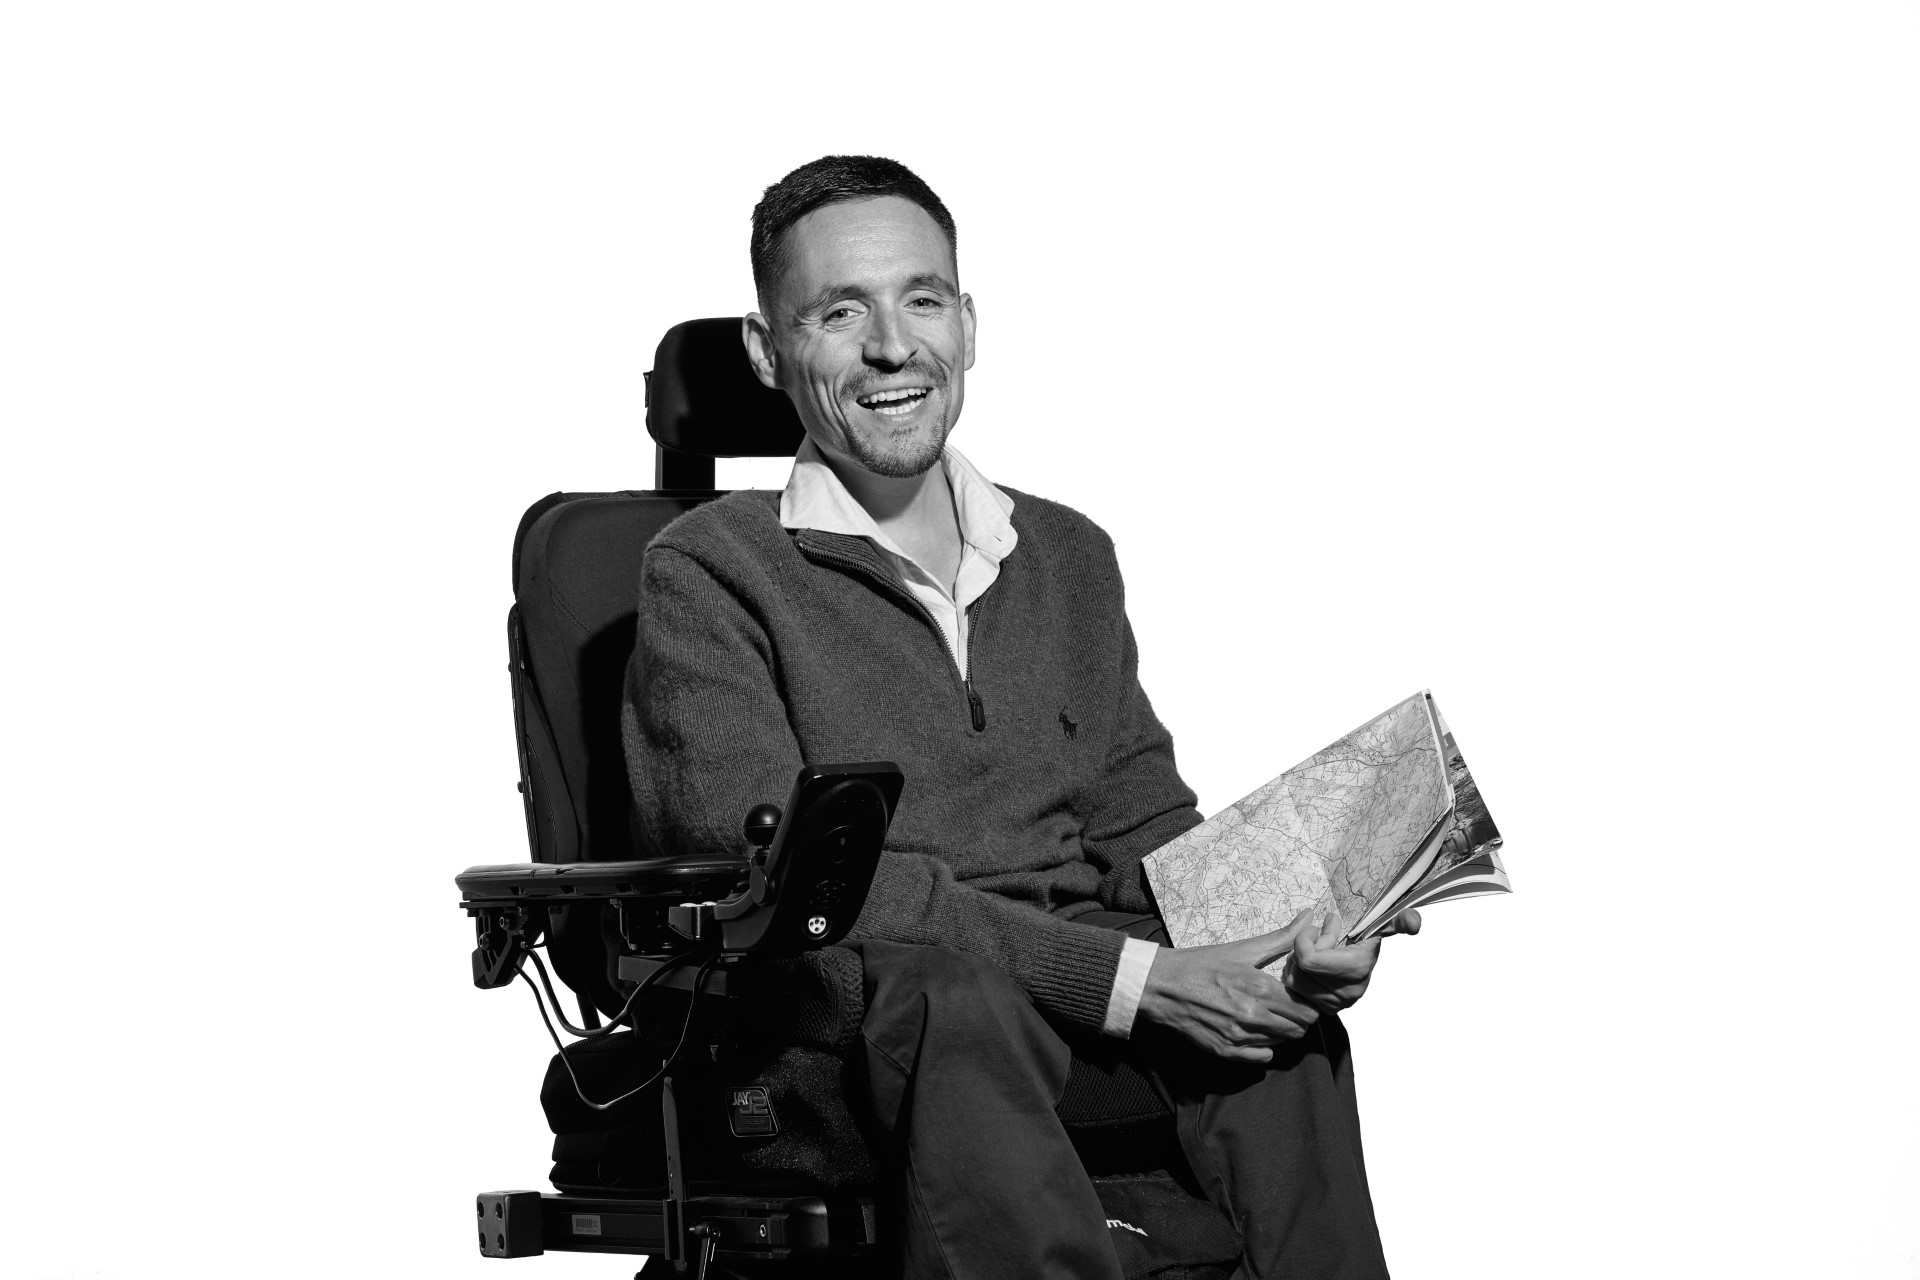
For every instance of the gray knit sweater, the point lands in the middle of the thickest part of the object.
(760, 647)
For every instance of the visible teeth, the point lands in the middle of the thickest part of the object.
(883, 397)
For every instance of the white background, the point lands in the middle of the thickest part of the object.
(1560, 357)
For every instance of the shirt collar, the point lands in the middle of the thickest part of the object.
(815, 499)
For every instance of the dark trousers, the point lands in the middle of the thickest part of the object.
(965, 1073)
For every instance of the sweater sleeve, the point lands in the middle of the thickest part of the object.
(708, 737)
(706, 734)
(1068, 969)
(1139, 802)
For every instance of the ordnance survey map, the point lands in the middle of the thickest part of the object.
(1386, 818)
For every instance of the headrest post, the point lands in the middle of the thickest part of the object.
(675, 470)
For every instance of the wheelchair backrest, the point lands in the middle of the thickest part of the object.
(576, 582)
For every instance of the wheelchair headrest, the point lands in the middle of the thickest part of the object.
(703, 398)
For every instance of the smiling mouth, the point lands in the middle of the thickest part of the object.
(894, 403)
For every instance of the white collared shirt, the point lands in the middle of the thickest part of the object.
(815, 499)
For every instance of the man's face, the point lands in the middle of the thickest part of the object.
(868, 332)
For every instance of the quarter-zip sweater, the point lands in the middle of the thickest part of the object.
(1033, 787)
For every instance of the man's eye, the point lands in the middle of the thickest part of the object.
(926, 304)
(838, 313)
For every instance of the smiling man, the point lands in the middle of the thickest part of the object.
(893, 603)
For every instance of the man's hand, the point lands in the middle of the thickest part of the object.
(1219, 998)
(1331, 977)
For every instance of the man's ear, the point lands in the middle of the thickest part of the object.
(968, 322)
(757, 336)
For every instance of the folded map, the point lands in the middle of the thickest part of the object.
(1385, 819)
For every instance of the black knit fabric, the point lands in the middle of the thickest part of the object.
(813, 999)
(819, 1142)
(758, 649)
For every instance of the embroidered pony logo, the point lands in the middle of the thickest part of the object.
(1067, 726)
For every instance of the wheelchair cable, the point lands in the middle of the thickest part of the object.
(598, 1033)
(693, 1005)
(595, 1033)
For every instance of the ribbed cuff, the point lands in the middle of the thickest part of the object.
(1073, 974)
(1129, 984)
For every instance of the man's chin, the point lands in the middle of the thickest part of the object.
(899, 459)
(898, 466)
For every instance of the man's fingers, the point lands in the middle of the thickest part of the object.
(1352, 961)
(1311, 942)
(1330, 977)
(1283, 1007)
(1271, 1024)
(1268, 947)
(1266, 1017)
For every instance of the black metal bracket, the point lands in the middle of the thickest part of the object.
(680, 977)
(693, 920)
(505, 933)
(690, 1245)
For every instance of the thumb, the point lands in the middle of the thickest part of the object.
(1309, 944)
(1407, 922)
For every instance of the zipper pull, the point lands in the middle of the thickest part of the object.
(978, 708)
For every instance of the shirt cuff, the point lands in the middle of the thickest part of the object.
(1129, 983)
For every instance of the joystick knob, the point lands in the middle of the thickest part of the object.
(762, 821)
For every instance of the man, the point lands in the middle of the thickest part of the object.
(894, 604)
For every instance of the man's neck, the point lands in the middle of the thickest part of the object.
(916, 512)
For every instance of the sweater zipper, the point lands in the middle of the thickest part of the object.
(976, 708)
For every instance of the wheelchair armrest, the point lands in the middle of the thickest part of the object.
(510, 902)
(677, 878)
(802, 891)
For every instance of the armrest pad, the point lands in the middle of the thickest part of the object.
(692, 876)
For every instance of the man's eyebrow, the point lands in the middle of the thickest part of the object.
(933, 280)
(821, 297)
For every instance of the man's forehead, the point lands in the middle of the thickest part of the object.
(875, 241)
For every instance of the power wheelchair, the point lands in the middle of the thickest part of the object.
(702, 1116)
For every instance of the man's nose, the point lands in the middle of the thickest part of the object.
(888, 343)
